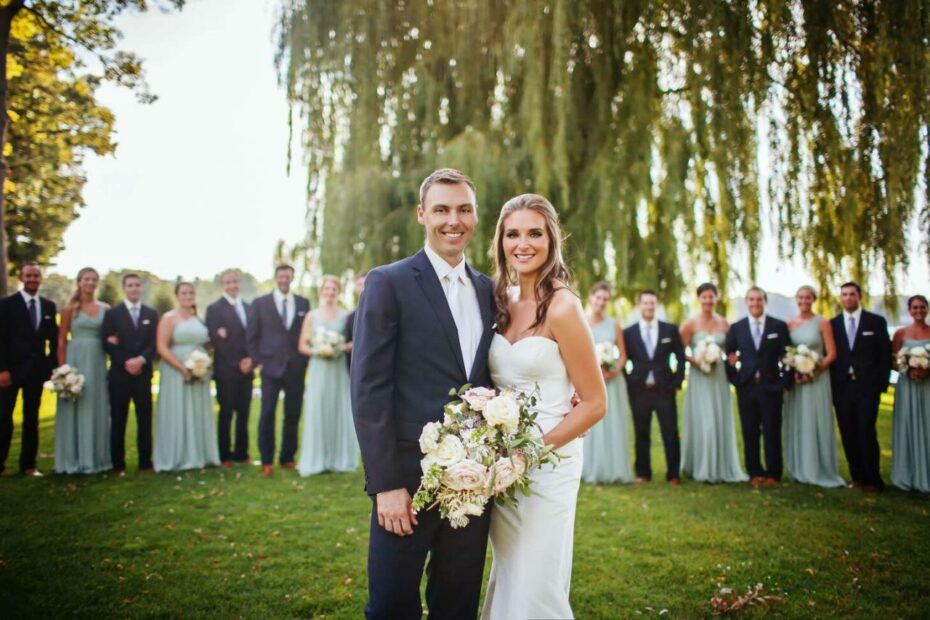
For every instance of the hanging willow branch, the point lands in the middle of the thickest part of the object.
(642, 121)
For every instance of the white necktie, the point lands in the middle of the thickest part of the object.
(134, 311)
(460, 316)
(757, 337)
(650, 341)
(240, 311)
(851, 332)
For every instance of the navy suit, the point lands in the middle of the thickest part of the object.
(760, 382)
(233, 387)
(29, 354)
(660, 397)
(349, 335)
(406, 358)
(132, 341)
(273, 346)
(858, 378)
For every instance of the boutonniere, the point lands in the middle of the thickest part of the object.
(868, 333)
(772, 336)
(665, 340)
(146, 321)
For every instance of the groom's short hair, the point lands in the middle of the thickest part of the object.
(448, 176)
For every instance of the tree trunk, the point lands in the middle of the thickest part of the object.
(7, 14)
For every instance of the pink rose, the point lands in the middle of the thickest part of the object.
(478, 397)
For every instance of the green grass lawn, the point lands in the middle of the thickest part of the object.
(228, 543)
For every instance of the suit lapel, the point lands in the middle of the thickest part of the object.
(638, 341)
(428, 281)
(483, 291)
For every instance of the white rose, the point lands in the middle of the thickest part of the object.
(503, 411)
(429, 438)
(803, 349)
(426, 462)
(449, 451)
(466, 475)
(919, 352)
(805, 365)
(505, 474)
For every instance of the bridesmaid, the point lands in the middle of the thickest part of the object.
(910, 461)
(82, 427)
(808, 431)
(709, 452)
(185, 435)
(607, 444)
(328, 442)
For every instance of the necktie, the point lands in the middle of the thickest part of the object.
(460, 316)
(650, 342)
(33, 317)
(851, 332)
(134, 311)
(757, 336)
(240, 311)
(284, 312)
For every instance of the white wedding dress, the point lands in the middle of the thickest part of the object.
(532, 542)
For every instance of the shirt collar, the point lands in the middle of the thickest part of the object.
(27, 296)
(233, 301)
(278, 295)
(130, 305)
(442, 268)
(856, 315)
(643, 324)
(753, 320)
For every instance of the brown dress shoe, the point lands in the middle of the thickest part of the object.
(675, 482)
(267, 471)
(755, 481)
(770, 482)
(868, 488)
(227, 464)
(32, 472)
(641, 480)
(289, 465)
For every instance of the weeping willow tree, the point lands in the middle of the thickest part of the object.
(665, 133)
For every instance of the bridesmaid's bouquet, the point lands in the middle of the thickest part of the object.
(803, 360)
(326, 343)
(706, 352)
(199, 364)
(608, 356)
(67, 382)
(913, 358)
(483, 449)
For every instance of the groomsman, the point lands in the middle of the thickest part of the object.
(233, 373)
(858, 377)
(651, 384)
(350, 320)
(28, 354)
(755, 349)
(128, 333)
(273, 333)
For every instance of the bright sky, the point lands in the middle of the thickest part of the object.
(199, 182)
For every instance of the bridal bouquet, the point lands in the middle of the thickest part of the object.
(913, 358)
(326, 343)
(707, 353)
(608, 356)
(67, 382)
(199, 364)
(483, 449)
(802, 360)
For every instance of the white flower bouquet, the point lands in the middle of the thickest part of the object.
(484, 448)
(802, 360)
(67, 382)
(326, 343)
(706, 352)
(199, 364)
(608, 356)
(913, 358)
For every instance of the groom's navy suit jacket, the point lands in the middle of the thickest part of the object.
(766, 360)
(270, 343)
(405, 358)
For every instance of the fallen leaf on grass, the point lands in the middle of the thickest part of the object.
(169, 526)
(810, 571)
(71, 487)
(724, 603)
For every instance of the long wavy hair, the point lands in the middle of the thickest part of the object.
(552, 276)
(74, 302)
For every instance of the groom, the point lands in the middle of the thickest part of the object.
(423, 326)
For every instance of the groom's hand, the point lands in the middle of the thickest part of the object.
(395, 513)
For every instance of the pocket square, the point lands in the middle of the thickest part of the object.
(772, 336)
(301, 313)
(868, 333)
(665, 340)
(145, 321)
(48, 318)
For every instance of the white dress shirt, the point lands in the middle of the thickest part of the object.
(27, 297)
(857, 317)
(652, 325)
(754, 324)
(236, 303)
(468, 319)
(279, 298)
(138, 309)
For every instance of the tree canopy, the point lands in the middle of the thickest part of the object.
(659, 130)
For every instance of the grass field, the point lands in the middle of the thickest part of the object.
(228, 543)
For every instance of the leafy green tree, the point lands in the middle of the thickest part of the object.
(49, 116)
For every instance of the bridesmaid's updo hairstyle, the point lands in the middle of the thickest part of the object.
(331, 278)
(914, 298)
(177, 289)
(708, 286)
(553, 275)
(809, 289)
(600, 286)
(74, 302)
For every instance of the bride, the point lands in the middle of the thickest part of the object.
(543, 341)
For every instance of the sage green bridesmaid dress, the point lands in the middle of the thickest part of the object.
(328, 442)
(808, 433)
(607, 444)
(185, 433)
(910, 434)
(82, 427)
(709, 452)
